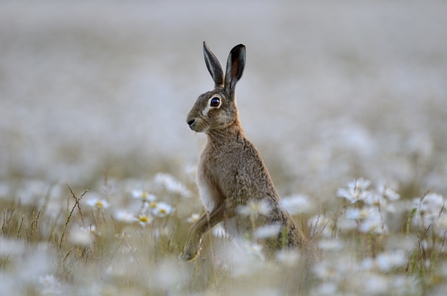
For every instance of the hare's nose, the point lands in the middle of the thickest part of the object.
(191, 122)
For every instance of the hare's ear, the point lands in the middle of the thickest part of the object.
(235, 68)
(213, 65)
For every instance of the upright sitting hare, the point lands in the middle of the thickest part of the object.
(231, 173)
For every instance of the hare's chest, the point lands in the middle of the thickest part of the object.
(211, 175)
(205, 190)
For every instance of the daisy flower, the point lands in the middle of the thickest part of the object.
(267, 231)
(392, 260)
(355, 191)
(287, 257)
(193, 218)
(144, 196)
(254, 250)
(49, 285)
(255, 208)
(296, 204)
(330, 244)
(123, 216)
(387, 192)
(144, 220)
(162, 209)
(373, 223)
(98, 203)
(81, 237)
(321, 224)
(428, 209)
(171, 184)
(357, 214)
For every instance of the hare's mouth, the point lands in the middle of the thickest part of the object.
(195, 125)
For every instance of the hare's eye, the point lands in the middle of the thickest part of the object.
(215, 102)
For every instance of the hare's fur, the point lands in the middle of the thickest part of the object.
(231, 172)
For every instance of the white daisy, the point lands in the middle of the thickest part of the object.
(171, 184)
(193, 218)
(98, 203)
(144, 196)
(162, 209)
(296, 204)
(355, 191)
(123, 216)
(144, 220)
(267, 231)
(255, 208)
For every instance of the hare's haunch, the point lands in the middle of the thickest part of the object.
(233, 181)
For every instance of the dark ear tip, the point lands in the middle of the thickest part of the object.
(239, 50)
(239, 47)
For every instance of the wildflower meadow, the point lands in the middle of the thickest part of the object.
(345, 101)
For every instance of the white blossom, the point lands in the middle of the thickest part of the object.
(355, 191)
(255, 208)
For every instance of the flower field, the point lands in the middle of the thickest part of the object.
(346, 102)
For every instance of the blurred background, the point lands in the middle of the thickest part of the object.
(331, 90)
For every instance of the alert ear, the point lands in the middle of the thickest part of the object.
(235, 68)
(213, 65)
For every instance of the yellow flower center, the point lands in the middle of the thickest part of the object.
(143, 219)
(363, 213)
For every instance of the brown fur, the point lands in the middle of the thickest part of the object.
(231, 172)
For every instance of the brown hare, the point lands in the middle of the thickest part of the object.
(231, 175)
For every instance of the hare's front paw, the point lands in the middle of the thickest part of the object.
(191, 251)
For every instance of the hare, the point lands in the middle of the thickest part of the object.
(231, 174)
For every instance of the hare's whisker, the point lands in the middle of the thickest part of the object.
(215, 137)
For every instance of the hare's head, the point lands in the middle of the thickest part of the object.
(216, 109)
